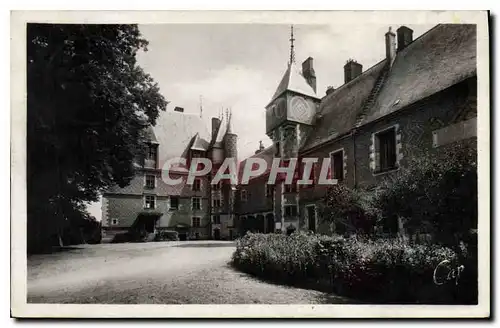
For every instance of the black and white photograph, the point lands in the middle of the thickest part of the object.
(307, 159)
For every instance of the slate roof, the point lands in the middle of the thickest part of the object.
(293, 80)
(199, 143)
(440, 58)
(338, 110)
(175, 132)
(267, 154)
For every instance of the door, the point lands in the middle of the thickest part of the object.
(217, 234)
(311, 218)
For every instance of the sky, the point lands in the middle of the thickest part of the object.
(240, 66)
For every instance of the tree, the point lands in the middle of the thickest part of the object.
(350, 209)
(436, 193)
(89, 104)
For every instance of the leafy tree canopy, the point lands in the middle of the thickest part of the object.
(88, 106)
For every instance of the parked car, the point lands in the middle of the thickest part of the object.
(166, 235)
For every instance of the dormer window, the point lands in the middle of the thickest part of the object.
(196, 185)
(151, 156)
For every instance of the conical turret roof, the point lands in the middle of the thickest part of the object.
(294, 81)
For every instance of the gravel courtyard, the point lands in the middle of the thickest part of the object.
(161, 273)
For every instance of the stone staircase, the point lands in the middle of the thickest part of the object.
(368, 103)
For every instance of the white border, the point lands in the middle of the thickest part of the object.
(19, 307)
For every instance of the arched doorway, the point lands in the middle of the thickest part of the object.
(260, 224)
(250, 226)
(270, 223)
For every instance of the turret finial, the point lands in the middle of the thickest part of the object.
(292, 51)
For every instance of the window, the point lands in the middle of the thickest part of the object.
(114, 221)
(216, 203)
(216, 186)
(174, 202)
(216, 219)
(196, 222)
(151, 156)
(290, 188)
(338, 165)
(197, 185)
(269, 190)
(151, 153)
(385, 143)
(196, 203)
(149, 202)
(243, 195)
(290, 210)
(150, 181)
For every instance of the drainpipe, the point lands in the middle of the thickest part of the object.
(353, 134)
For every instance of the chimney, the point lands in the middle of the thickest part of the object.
(390, 46)
(329, 90)
(352, 69)
(179, 109)
(308, 72)
(405, 37)
(261, 147)
(215, 126)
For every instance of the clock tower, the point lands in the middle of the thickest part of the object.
(289, 115)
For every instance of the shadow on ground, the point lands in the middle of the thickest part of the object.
(205, 245)
(326, 298)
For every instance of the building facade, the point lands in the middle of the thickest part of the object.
(197, 210)
(421, 96)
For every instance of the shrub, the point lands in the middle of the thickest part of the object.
(350, 209)
(383, 271)
(435, 193)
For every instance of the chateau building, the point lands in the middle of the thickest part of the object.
(195, 210)
(421, 96)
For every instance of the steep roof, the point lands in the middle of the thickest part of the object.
(175, 132)
(338, 110)
(293, 80)
(199, 143)
(442, 57)
(267, 154)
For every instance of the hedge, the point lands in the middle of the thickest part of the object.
(380, 271)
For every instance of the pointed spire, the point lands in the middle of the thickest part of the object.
(201, 106)
(292, 50)
(229, 114)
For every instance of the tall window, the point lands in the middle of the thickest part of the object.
(196, 202)
(338, 165)
(386, 144)
(150, 181)
(174, 202)
(290, 210)
(216, 186)
(216, 219)
(196, 222)
(216, 203)
(269, 190)
(197, 185)
(151, 156)
(290, 187)
(243, 195)
(149, 201)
